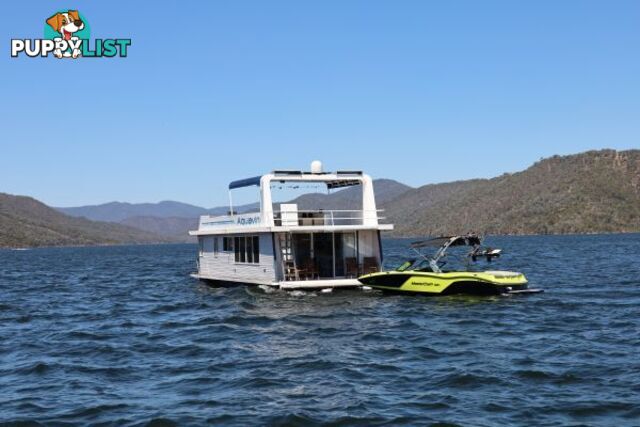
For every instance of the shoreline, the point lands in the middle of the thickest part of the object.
(101, 245)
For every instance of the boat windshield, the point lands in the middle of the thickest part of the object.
(405, 265)
(423, 265)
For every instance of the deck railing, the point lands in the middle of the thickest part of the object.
(296, 218)
(324, 217)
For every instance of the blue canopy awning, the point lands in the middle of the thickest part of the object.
(247, 182)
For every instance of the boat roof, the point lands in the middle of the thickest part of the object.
(462, 240)
(333, 180)
(247, 182)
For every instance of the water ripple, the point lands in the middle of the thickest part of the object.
(122, 336)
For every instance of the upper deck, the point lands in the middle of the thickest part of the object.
(288, 217)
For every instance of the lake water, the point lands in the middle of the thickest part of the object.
(123, 336)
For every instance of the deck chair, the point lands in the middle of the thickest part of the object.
(351, 267)
(370, 265)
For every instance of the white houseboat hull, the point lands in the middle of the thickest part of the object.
(290, 248)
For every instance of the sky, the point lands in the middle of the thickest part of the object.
(211, 91)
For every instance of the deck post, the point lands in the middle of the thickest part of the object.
(369, 213)
(230, 205)
(265, 200)
(333, 251)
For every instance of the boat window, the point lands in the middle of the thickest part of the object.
(256, 249)
(227, 244)
(302, 248)
(215, 246)
(338, 254)
(241, 249)
(247, 249)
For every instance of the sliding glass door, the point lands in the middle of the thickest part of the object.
(326, 255)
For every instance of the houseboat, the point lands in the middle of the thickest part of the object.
(285, 246)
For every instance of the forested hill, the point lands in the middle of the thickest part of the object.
(591, 192)
(26, 222)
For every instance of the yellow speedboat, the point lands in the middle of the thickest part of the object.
(425, 276)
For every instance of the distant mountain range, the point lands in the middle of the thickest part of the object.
(385, 189)
(592, 192)
(27, 222)
(119, 211)
(173, 220)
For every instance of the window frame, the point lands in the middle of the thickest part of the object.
(246, 249)
(256, 249)
(227, 244)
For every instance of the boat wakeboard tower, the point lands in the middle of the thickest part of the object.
(444, 243)
(427, 274)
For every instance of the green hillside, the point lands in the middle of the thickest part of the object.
(26, 222)
(592, 192)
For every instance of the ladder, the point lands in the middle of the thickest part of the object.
(289, 267)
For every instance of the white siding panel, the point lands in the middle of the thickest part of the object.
(222, 266)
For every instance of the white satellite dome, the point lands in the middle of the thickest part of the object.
(316, 166)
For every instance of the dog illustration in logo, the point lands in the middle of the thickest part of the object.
(66, 23)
